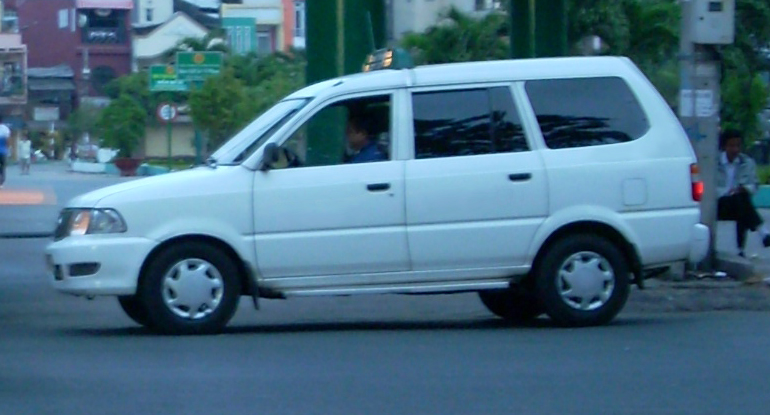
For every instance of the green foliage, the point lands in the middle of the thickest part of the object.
(137, 86)
(122, 124)
(763, 174)
(218, 107)
(460, 38)
(83, 120)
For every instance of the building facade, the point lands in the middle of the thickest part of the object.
(90, 36)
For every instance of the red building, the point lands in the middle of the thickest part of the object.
(90, 36)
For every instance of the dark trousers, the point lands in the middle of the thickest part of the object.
(2, 169)
(739, 208)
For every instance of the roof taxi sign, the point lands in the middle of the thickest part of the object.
(388, 59)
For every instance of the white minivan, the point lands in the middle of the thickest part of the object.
(548, 186)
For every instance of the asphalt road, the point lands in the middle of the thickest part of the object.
(361, 355)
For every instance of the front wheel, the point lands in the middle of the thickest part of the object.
(134, 309)
(191, 288)
(583, 280)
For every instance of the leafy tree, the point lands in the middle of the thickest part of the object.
(83, 120)
(122, 124)
(460, 38)
(214, 41)
(218, 107)
(137, 86)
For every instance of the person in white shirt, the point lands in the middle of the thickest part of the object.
(25, 153)
(736, 182)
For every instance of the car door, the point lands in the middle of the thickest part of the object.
(475, 192)
(326, 217)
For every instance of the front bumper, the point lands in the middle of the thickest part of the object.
(699, 243)
(97, 264)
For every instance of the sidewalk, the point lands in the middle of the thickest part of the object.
(686, 293)
(51, 170)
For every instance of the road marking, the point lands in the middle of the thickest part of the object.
(26, 197)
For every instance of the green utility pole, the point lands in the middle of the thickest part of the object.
(339, 37)
(538, 28)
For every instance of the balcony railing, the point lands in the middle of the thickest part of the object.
(107, 36)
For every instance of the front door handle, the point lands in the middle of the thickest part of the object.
(519, 177)
(378, 187)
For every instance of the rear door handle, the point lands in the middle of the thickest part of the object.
(519, 177)
(378, 187)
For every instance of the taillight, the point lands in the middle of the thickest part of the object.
(697, 183)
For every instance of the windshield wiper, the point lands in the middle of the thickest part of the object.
(211, 162)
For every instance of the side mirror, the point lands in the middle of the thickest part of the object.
(271, 154)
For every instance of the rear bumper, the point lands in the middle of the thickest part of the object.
(699, 243)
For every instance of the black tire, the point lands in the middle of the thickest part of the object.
(517, 308)
(215, 282)
(598, 258)
(134, 309)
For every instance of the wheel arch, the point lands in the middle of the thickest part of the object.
(593, 227)
(245, 276)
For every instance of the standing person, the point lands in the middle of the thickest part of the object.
(736, 182)
(25, 153)
(5, 136)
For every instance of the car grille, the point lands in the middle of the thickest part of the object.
(63, 224)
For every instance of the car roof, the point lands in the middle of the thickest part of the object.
(470, 72)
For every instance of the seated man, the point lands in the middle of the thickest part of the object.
(364, 146)
(736, 181)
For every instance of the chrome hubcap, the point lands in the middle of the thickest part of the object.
(586, 281)
(193, 288)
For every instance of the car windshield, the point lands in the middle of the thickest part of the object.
(244, 143)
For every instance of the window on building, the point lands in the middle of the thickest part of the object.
(64, 18)
(148, 14)
(466, 122)
(10, 21)
(100, 77)
(103, 26)
(264, 43)
(582, 112)
(299, 18)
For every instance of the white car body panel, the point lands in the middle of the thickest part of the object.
(443, 224)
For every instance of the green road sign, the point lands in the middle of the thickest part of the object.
(197, 66)
(163, 78)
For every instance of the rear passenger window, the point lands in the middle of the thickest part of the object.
(466, 122)
(586, 112)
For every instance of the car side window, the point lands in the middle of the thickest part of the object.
(328, 139)
(584, 112)
(466, 122)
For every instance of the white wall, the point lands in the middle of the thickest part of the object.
(161, 10)
(166, 37)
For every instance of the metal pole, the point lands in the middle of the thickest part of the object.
(699, 98)
(551, 28)
(522, 14)
(168, 136)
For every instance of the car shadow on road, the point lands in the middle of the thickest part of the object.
(375, 326)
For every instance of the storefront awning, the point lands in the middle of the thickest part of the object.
(105, 4)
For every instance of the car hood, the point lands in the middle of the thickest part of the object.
(199, 180)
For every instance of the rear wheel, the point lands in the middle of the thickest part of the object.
(512, 306)
(583, 280)
(191, 288)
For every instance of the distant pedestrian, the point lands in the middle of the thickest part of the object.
(5, 136)
(25, 153)
(736, 182)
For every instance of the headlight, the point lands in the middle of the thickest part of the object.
(95, 221)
